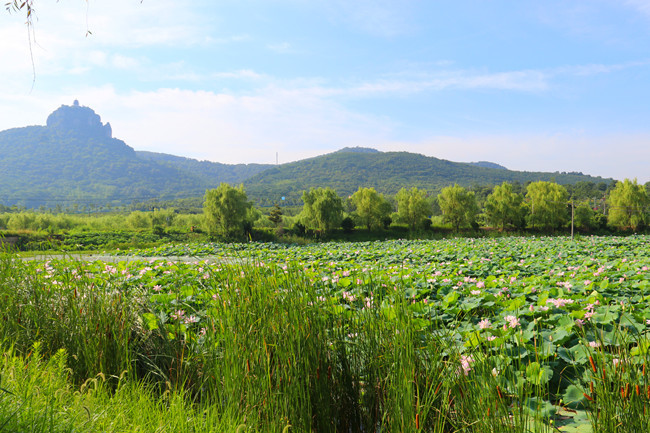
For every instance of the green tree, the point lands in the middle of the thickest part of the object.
(138, 220)
(584, 217)
(548, 204)
(275, 215)
(371, 207)
(627, 202)
(412, 207)
(226, 211)
(322, 209)
(504, 207)
(163, 217)
(458, 206)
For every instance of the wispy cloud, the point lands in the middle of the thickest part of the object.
(242, 74)
(228, 39)
(642, 6)
(531, 80)
(281, 48)
(596, 69)
(386, 18)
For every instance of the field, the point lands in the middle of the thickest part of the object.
(468, 335)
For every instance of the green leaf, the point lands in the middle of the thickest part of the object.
(451, 298)
(345, 282)
(574, 398)
(539, 408)
(538, 374)
(150, 321)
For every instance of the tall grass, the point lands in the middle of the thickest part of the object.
(616, 386)
(263, 348)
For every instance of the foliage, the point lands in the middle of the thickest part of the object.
(275, 215)
(458, 206)
(371, 207)
(504, 208)
(412, 207)
(548, 205)
(138, 220)
(388, 172)
(322, 210)
(347, 225)
(481, 335)
(628, 203)
(226, 211)
(588, 219)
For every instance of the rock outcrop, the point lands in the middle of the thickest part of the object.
(78, 120)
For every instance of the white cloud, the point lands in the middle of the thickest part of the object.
(228, 40)
(220, 127)
(124, 62)
(386, 18)
(242, 74)
(522, 81)
(281, 48)
(135, 24)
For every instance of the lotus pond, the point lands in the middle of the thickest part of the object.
(509, 334)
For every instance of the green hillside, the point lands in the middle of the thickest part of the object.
(208, 171)
(387, 172)
(74, 160)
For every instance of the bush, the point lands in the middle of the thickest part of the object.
(347, 224)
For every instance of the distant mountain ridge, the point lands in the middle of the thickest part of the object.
(206, 170)
(387, 172)
(488, 164)
(74, 159)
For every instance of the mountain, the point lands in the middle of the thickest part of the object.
(357, 150)
(387, 172)
(488, 164)
(75, 159)
(206, 170)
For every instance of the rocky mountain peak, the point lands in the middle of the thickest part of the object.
(78, 119)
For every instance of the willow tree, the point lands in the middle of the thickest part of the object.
(627, 205)
(322, 209)
(548, 204)
(226, 210)
(458, 206)
(371, 207)
(504, 207)
(412, 207)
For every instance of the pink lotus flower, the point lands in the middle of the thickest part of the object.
(513, 322)
(484, 324)
(465, 362)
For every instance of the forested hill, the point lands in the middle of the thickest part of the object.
(206, 170)
(74, 160)
(348, 169)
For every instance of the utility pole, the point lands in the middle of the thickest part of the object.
(532, 213)
(572, 213)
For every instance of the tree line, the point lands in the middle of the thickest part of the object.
(543, 205)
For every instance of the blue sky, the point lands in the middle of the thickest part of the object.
(532, 85)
